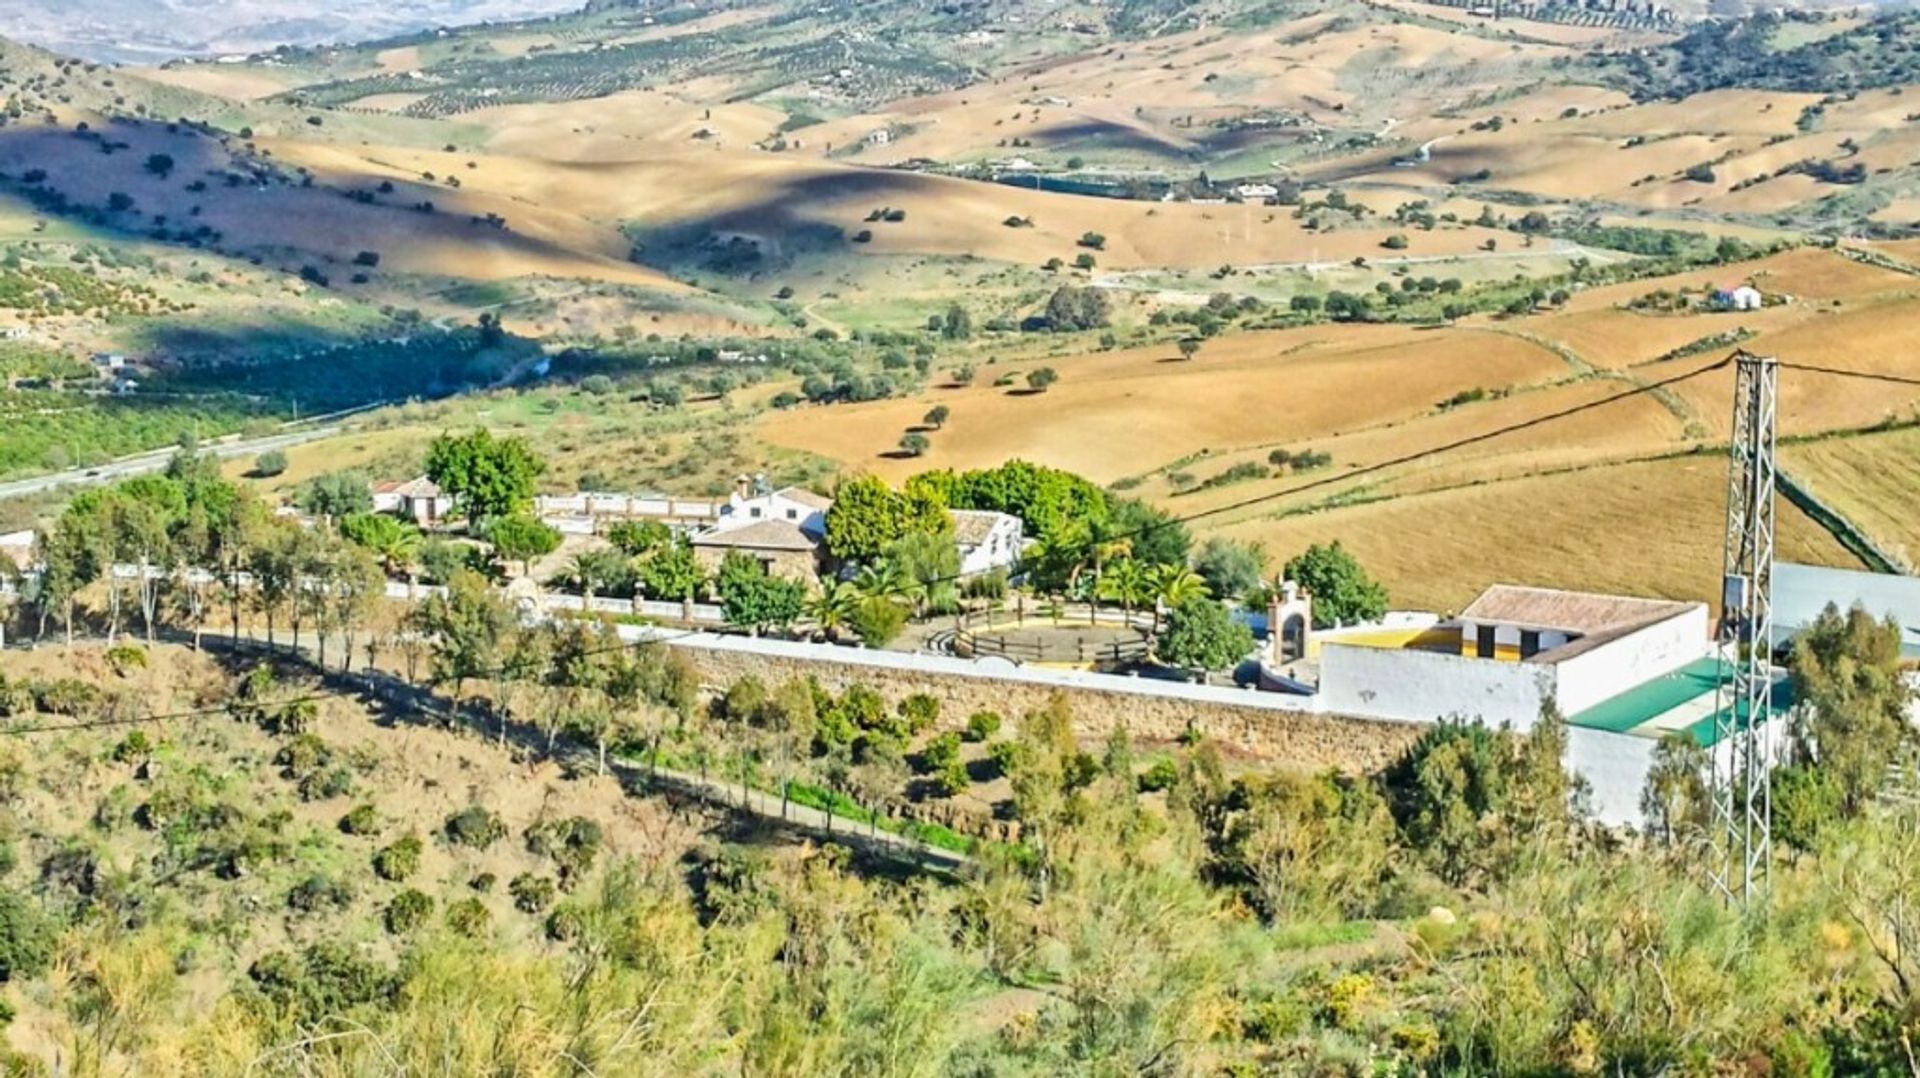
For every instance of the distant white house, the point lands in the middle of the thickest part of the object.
(1256, 191)
(419, 500)
(1741, 298)
(987, 540)
(797, 506)
(879, 137)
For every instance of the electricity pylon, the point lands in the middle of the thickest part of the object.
(1742, 752)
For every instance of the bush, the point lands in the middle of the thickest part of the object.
(408, 911)
(1006, 756)
(132, 747)
(1161, 776)
(399, 860)
(876, 621)
(126, 658)
(325, 784)
(316, 893)
(269, 464)
(469, 917)
(27, 937)
(982, 725)
(360, 820)
(531, 893)
(940, 753)
(920, 711)
(573, 844)
(474, 827)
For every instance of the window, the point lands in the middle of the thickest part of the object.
(754, 512)
(793, 514)
(1529, 643)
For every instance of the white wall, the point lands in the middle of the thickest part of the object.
(1615, 767)
(1001, 548)
(1619, 665)
(1424, 686)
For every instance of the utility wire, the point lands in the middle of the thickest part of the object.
(1158, 525)
(1872, 376)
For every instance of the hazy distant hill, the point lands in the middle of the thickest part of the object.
(153, 30)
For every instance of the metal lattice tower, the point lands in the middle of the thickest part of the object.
(1742, 753)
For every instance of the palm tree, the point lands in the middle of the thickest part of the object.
(398, 550)
(834, 607)
(883, 580)
(1173, 585)
(585, 571)
(1128, 583)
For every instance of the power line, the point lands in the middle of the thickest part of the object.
(1871, 376)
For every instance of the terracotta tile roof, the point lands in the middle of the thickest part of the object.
(760, 535)
(972, 526)
(1594, 619)
(411, 488)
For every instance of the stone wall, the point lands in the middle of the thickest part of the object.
(1291, 738)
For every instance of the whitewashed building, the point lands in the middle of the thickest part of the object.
(987, 540)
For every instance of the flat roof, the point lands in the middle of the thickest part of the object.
(1684, 700)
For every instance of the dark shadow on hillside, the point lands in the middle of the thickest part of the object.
(197, 188)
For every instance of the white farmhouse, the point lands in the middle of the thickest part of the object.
(1256, 192)
(987, 540)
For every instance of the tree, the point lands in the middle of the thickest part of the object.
(1846, 670)
(1202, 635)
(929, 564)
(1153, 536)
(521, 538)
(1189, 347)
(673, 573)
(160, 164)
(1342, 591)
(1232, 569)
(1093, 240)
(395, 542)
(270, 463)
(957, 325)
(914, 444)
(834, 607)
(1395, 242)
(467, 626)
(1040, 380)
(485, 476)
(637, 538)
(867, 515)
(937, 416)
(1675, 801)
(1074, 308)
(754, 599)
(336, 495)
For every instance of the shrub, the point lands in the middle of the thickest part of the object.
(1006, 756)
(920, 711)
(399, 860)
(474, 827)
(982, 725)
(952, 779)
(132, 747)
(1094, 240)
(360, 820)
(469, 917)
(573, 844)
(316, 893)
(1160, 776)
(269, 464)
(408, 911)
(564, 923)
(325, 784)
(483, 882)
(126, 658)
(27, 937)
(531, 893)
(942, 752)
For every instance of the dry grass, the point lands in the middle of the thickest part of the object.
(1871, 479)
(1635, 529)
(1122, 413)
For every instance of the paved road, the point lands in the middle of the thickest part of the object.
(157, 459)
